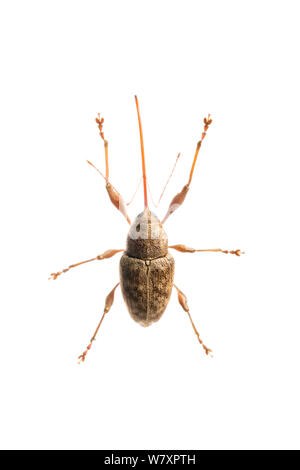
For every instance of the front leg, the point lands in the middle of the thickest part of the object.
(105, 255)
(180, 197)
(114, 195)
(186, 249)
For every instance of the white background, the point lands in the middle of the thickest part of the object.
(61, 63)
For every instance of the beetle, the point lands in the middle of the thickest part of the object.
(146, 266)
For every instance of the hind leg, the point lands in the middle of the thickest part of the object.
(183, 302)
(108, 303)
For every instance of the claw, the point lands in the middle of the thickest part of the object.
(208, 351)
(100, 122)
(82, 356)
(54, 276)
(233, 252)
(237, 252)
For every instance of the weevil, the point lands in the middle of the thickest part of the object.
(146, 267)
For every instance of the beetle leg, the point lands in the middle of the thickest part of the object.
(186, 249)
(183, 302)
(180, 197)
(113, 194)
(108, 303)
(105, 255)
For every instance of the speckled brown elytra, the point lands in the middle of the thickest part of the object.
(146, 267)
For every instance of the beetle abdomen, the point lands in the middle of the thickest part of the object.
(146, 286)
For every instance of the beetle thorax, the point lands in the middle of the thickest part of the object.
(146, 238)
